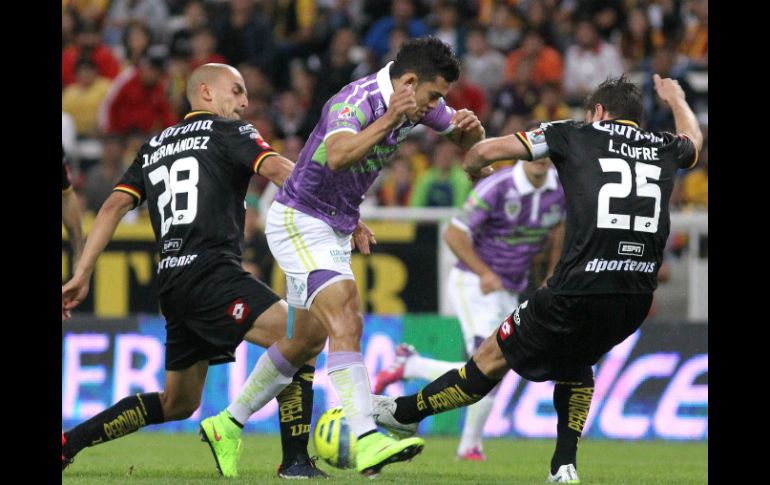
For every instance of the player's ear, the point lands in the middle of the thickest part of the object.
(204, 92)
(409, 78)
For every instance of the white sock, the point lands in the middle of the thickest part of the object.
(417, 367)
(350, 379)
(475, 418)
(271, 374)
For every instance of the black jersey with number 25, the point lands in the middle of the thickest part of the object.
(194, 176)
(618, 180)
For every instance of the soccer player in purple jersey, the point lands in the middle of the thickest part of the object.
(506, 221)
(618, 180)
(310, 223)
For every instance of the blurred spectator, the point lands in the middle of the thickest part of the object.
(178, 71)
(588, 63)
(402, 16)
(203, 48)
(547, 64)
(664, 62)
(289, 114)
(518, 97)
(83, 98)
(396, 37)
(695, 43)
(338, 63)
(195, 17)
(695, 186)
(445, 184)
(465, 94)
(102, 177)
(70, 25)
(138, 101)
(245, 34)
(483, 66)
(345, 13)
(607, 16)
(258, 86)
(293, 21)
(154, 13)
(137, 39)
(411, 150)
(551, 106)
(638, 40)
(396, 183)
(504, 29)
(448, 28)
(89, 10)
(88, 45)
(665, 18)
(536, 17)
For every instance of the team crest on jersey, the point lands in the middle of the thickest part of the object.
(238, 311)
(345, 113)
(512, 204)
(537, 136)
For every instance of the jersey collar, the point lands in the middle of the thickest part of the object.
(627, 122)
(384, 83)
(525, 187)
(198, 113)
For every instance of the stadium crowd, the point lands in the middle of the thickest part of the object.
(125, 63)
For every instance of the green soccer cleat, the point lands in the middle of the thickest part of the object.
(224, 438)
(377, 450)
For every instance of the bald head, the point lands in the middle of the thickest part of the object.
(218, 88)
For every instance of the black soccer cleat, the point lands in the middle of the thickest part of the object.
(303, 467)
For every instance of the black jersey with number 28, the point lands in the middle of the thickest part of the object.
(618, 180)
(194, 176)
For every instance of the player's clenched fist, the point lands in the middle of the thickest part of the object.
(402, 102)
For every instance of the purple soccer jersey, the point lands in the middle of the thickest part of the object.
(509, 221)
(335, 197)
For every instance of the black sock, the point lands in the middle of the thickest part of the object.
(124, 417)
(457, 388)
(295, 409)
(572, 401)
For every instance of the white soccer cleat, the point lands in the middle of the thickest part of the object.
(383, 408)
(565, 474)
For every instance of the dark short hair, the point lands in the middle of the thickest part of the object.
(619, 96)
(427, 57)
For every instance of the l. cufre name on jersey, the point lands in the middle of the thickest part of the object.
(631, 133)
(191, 143)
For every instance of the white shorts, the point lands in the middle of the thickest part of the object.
(302, 245)
(479, 314)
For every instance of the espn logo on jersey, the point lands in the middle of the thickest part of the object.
(238, 311)
(630, 249)
(172, 245)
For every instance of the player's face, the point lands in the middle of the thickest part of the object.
(230, 96)
(537, 168)
(427, 95)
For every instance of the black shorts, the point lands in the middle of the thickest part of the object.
(556, 337)
(208, 320)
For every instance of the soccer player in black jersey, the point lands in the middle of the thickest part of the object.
(70, 211)
(618, 180)
(194, 176)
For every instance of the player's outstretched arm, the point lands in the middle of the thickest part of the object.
(70, 216)
(686, 123)
(276, 168)
(492, 149)
(107, 220)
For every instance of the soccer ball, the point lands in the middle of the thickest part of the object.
(334, 440)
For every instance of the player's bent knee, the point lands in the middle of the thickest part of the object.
(175, 409)
(490, 360)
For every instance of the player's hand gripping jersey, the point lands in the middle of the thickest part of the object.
(616, 230)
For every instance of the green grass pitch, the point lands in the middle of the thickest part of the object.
(176, 459)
